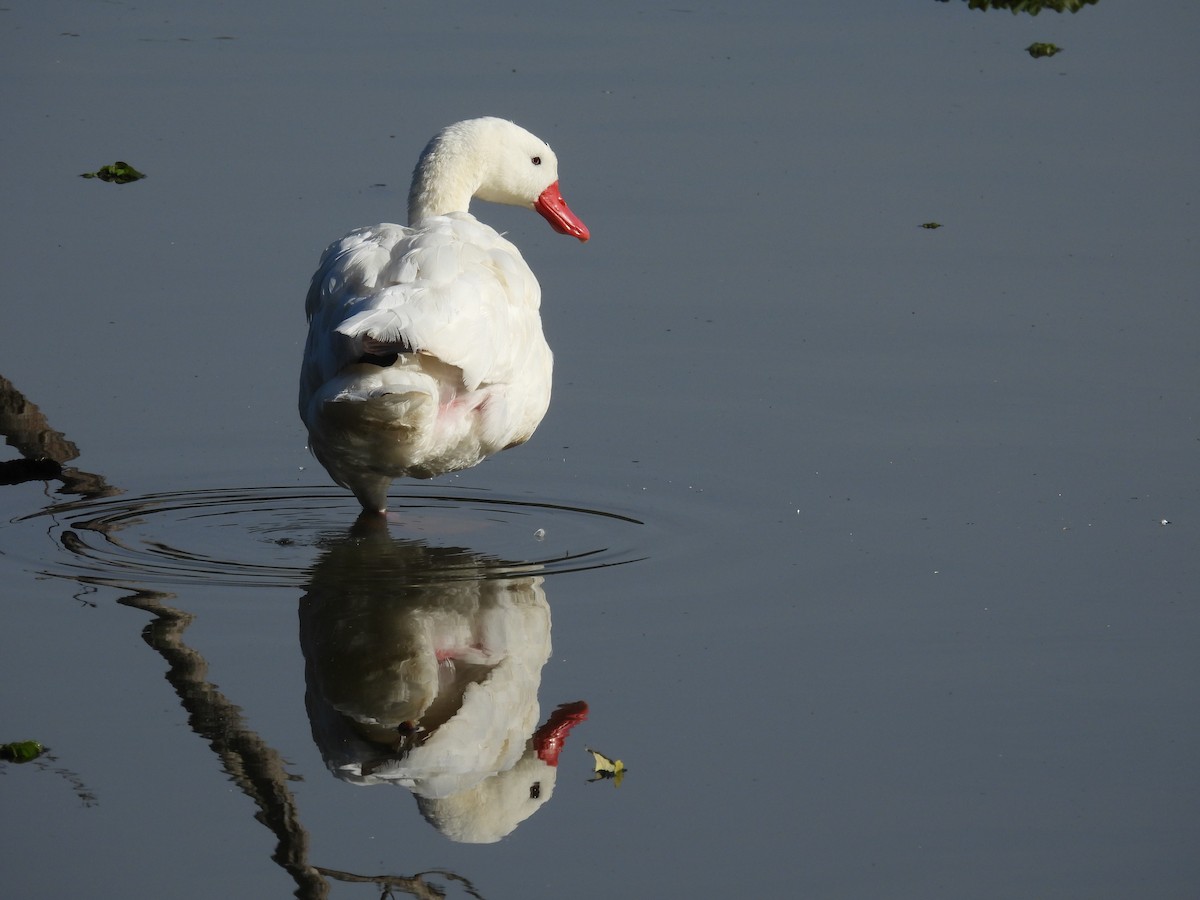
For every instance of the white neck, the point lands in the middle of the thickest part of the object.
(447, 176)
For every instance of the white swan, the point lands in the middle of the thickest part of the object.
(425, 351)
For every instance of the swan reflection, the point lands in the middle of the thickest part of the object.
(423, 665)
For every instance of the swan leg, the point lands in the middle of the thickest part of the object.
(371, 491)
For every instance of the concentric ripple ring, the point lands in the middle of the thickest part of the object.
(274, 536)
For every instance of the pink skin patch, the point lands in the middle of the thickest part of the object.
(446, 655)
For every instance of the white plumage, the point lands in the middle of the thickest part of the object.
(425, 350)
(423, 666)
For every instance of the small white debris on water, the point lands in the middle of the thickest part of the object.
(539, 534)
(1165, 522)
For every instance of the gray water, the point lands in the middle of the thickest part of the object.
(871, 548)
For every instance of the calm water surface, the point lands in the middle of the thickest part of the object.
(871, 549)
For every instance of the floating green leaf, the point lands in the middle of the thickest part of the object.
(931, 225)
(118, 173)
(1032, 7)
(1038, 50)
(21, 751)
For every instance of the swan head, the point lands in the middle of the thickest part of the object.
(494, 160)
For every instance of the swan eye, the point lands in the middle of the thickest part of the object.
(537, 160)
(535, 790)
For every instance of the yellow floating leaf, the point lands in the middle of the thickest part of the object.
(607, 768)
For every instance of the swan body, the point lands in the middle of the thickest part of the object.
(425, 351)
(423, 666)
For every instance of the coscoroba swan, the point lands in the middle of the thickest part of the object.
(425, 351)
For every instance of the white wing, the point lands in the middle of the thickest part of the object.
(453, 289)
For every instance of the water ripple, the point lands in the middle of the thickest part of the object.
(272, 536)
